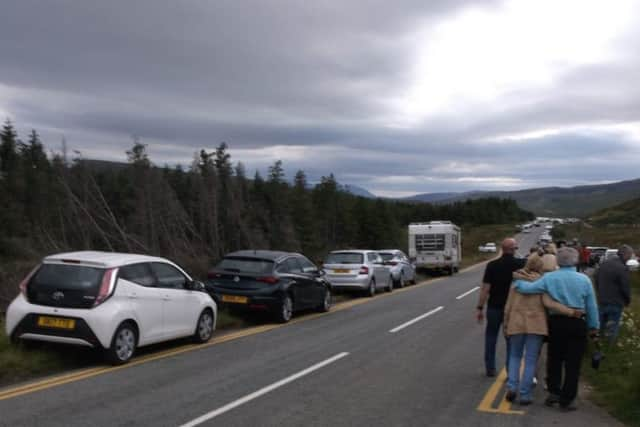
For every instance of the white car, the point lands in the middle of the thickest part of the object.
(402, 270)
(361, 270)
(110, 301)
(488, 247)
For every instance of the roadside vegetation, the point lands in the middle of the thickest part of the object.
(472, 237)
(616, 384)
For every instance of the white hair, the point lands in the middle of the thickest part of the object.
(567, 257)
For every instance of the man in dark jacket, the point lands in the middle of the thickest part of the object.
(495, 288)
(614, 291)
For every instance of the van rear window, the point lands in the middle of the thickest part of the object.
(345, 258)
(69, 277)
(430, 242)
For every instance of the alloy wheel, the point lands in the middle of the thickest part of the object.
(125, 343)
(205, 326)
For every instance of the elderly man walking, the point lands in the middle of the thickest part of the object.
(567, 335)
(614, 291)
(495, 288)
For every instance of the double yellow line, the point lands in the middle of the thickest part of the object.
(504, 407)
(92, 372)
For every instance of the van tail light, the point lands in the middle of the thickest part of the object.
(106, 287)
(25, 282)
(364, 270)
(270, 280)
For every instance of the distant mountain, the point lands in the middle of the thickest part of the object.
(580, 201)
(357, 191)
(441, 197)
(623, 214)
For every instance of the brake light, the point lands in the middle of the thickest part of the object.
(364, 270)
(270, 280)
(106, 287)
(25, 282)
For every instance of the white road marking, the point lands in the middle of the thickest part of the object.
(417, 319)
(228, 407)
(459, 297)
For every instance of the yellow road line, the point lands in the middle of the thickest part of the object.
(492, 394)
(92, 372)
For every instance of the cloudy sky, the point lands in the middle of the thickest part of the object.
(399, 97)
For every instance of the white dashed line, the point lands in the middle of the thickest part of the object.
(417, 319)
(228, 407)
(459, 297)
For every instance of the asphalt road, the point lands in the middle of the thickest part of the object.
(410, 358)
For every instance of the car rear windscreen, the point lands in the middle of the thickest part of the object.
(386, 256)
(345, 258)
(246, 265)
(68, 277)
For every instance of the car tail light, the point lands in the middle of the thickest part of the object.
(270, 280)
(106, 287)
(364, 270)
(25, 282)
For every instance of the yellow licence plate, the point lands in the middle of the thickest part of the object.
(56, 322)
(235, 299)
(341, 270)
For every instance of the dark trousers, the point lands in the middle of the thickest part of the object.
(567, 345)
(495, 315)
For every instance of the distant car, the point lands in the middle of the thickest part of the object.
(362, 270)
(272, 281)
(633, 265)
(548, 227)
(488, 248)
(402, 270)
(609, 253)
(111, 301)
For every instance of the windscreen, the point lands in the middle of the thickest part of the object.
(246, 265)
(345, 258)
(386, 256)
(67, 277)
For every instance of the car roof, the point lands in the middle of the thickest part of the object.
(261, 254)
(362, 251)
(102, 259)
(388, 250)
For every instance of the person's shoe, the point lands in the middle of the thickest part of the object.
(568, 408)
(511, 396)
(491, 373)
(551, 400)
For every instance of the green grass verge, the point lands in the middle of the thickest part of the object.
(616, 385)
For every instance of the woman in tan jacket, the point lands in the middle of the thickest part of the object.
(525, 325)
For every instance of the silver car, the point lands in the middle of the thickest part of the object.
(402, 270)
(362, 270)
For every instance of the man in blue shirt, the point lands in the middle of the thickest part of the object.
(567, 336)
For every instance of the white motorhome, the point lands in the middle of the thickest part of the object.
(436, 245)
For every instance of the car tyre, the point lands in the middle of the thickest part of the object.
(285, 311)
(123, 344)
(389, 287)
(371, 290)
(399, 283)
(204, 327)
(327, 300)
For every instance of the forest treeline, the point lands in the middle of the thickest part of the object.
(193, 215)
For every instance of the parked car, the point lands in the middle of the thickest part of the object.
(488, 247)
(609, 253)
(633, 264)
(277, 282)
(362, 270)
(596, 253)
(111, 301)
(402, 270)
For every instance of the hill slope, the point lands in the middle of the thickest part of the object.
(577, 201)
(625, 213)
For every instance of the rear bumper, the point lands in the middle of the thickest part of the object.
(82, 334)
(270, 301)
(360, 282)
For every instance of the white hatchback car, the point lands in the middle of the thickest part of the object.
(111, 301)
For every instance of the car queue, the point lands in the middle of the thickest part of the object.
(118, 302)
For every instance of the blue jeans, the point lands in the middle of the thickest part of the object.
(529, 344)
(495, 316)
(610, 315)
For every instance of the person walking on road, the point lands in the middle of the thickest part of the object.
(567, 335)
(525, 325)
(495, 289)
(614, 291)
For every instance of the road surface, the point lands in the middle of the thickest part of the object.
(410, 358)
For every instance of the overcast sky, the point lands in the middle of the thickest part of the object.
(399, 97)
